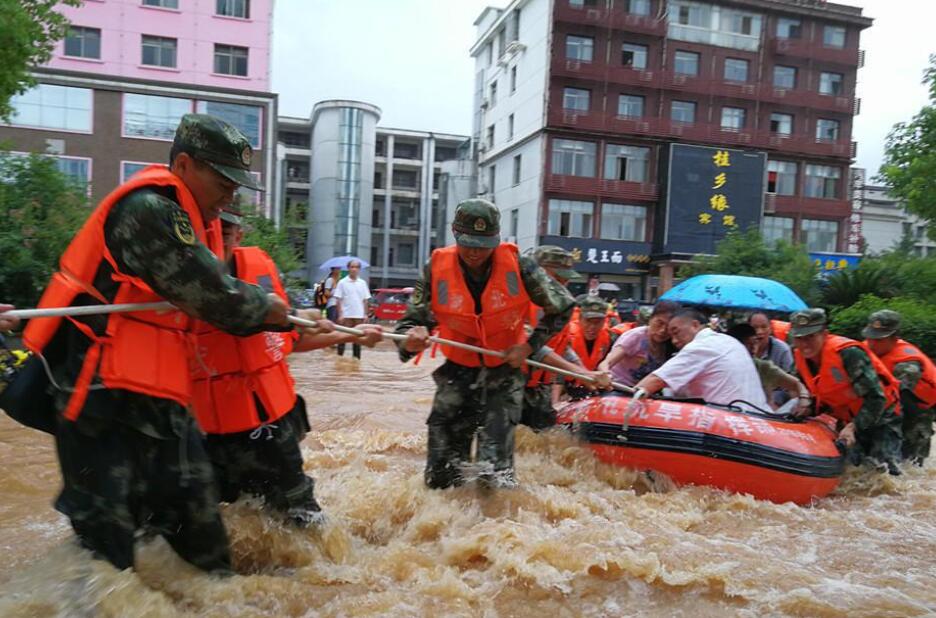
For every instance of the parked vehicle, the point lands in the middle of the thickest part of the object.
(389, 304)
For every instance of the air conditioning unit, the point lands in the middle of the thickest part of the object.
(485, 103)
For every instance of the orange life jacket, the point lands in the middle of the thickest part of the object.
(903, 352)
(231, 373)
(832, 387)
(558, 343)
(781, 329)
(599, 349)
(144, 352)
(623, 327)
(505, 305)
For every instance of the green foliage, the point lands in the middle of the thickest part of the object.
(748, 254)
(261, 232)
(918, 326)
(846, 287)
(41, 210)
(909, 167)
(29, 30)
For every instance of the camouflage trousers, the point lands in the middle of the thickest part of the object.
(118, 480)
(917, 433)
(473, 401)
(265, 462)
(879, 444)
(538, 411)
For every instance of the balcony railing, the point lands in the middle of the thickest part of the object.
(797, 204)
(619, 189)
(799, 48)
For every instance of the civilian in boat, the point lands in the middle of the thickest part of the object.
(641, 350)
(772, 377)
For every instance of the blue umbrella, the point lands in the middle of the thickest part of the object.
(735, 291)
(342, 262)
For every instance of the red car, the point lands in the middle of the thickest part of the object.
(390, 303)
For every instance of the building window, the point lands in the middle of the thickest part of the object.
(581, 3)
(492, 93)
(833, 36)
(682, 111)
(573, 158)
(576, 99)
(819, 235)
(230, 60)
(570, 218)
(510, 127)
(77, 169)
(492, 178)
(47, 106)
(513, 79)
(736, 70)
(623, 222)
(83, 42)
(517, 167)
(781, 177)
(827, 130)
(405, 150)
(822, 181)
(247, 118)
(637, 7)
(698, 15)
(490, 53)
(784, 77)
(630, 106)
(732, 118)
(776, 229)
(233, 8)
(634, 56)
(630, 163)
(163, 4)
(831, 83)
(129, 168)
(514, 222)
(788, 28)
(152, 116)
(686, 63)
(406, 254)
(579, 48)
(405, 179)
(159, 51)
(781, 124)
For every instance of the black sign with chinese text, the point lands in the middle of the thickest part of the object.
(710, 191)
(604, 256)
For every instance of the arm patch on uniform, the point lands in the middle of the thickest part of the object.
(182, 226)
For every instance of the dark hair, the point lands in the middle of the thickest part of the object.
(665, 307)
(358, 262)
(751, 317)
(689, 313)
(741, 332)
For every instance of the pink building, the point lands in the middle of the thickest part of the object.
(224, 43)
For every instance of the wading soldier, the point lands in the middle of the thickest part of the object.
(591, 338)
(479, 292)
(848, 382)
(130, 452)
(917, 376)
(245, 398)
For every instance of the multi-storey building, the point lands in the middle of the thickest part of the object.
(578, 105)
(110, 99)
(885, 223)
(354, 188)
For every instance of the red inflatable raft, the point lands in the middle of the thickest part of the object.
(770, 458)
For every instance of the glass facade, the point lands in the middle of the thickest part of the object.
(152, 116)
(350, 135)
(623, 222)
(48, 106)
(709, 24)
(247, 118)
(570, 218)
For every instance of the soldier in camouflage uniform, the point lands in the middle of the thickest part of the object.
(589, 329)
(478, 400)
(131, 460)
(917, 375)
(864, 400)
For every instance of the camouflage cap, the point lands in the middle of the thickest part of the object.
(882, 324)
(807, 322)
(592, 306)
(557, 258)
(477, 224)
(218, 144)
(232, 214)
(644, 314)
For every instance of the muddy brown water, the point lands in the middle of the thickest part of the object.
(579, 538)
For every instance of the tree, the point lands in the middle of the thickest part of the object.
(261, 232)
(909, 167)
(29, 30)
(748, 254)
(41, 210)
(846, 287)
(918, 324)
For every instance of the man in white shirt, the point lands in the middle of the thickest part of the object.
(351, 295)
(709, 365)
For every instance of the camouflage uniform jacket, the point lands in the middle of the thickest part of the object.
(909, 374)
(149, 236)
(555, 300)
(866, 384)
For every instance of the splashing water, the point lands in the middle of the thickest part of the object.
(577, 538)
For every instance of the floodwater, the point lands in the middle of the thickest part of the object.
(579, 538)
